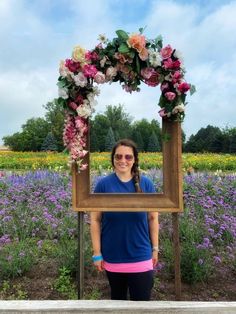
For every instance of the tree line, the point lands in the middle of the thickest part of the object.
(106, 128)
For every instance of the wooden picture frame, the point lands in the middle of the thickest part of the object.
(171, 200)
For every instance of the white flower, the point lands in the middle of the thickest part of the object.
(154, 58)
(84, 110)
(63, 70)
(178, 55)
(179, 108)
(102, 38)
(80, 79)
(90, 97)
(96, 91)
(63, 93)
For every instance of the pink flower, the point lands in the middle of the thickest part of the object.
(83, 167)
(91, 56)
(170, 96)
(170, 64)
(89, 70)
(79, 99)
(183, 87)
(73, 105)
(72, 65)
(166, 52)
(162, 113)
(99, 78)
(147, 72)
(151, 76)
(81, 125)
(164, 86)
(176, 77)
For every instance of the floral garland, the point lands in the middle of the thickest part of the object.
(129, 59)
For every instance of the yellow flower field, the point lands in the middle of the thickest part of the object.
(59, 161)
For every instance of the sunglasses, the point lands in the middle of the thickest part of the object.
(128, 157)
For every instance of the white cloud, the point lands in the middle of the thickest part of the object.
(22, 97)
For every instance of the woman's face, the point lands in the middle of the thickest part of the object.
(123, 159)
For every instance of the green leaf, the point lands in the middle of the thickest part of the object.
(192, 89)
(142, 29)
(122, 34)
(158, 41)
(137, 64)
(131, 54)
(123, 48)
(61, 84)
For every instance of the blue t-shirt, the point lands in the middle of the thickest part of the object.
(125, 236)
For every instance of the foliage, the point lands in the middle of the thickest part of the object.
(153, 145)
(110, 140)
(49, 144)
(64, 285)
(212, 139)
(12, 292)
(115, 118)
(55, 118)
(58, 161)
(16, 258)
(34, 131)
(47, 227)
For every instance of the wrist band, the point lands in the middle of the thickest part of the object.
(97, 258)
(155, 248)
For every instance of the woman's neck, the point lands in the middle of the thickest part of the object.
(125, 177)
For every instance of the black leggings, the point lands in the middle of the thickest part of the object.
(138, 284)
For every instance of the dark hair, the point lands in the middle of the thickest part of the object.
(135, 168)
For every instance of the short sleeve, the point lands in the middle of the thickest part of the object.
(148, 186)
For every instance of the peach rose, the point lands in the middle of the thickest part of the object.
(143, 55)
(137, 42)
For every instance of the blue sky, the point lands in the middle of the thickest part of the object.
(36, 34)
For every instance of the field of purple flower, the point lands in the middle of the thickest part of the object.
(37, 225)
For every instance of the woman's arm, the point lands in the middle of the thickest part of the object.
(95, 230)
(154, 235)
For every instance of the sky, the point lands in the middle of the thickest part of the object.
(36, 34)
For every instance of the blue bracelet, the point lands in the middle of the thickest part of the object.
(97, 258)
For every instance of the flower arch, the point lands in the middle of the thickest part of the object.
(129, 59)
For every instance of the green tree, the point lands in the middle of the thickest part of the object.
(145, 128)
(16, 142)
(119, 121)
(153, 145)
(55, 118)
(98, 127)
(110, 140)
(207, 139)
(49, 144)
(115, 118)
(137, 138)
(31, 138)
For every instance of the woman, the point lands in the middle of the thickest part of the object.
(125, 244)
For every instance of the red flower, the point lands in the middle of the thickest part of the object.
(183, 87)
(72, 65)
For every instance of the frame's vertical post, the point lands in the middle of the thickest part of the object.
(176, 248)
(80, 273)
